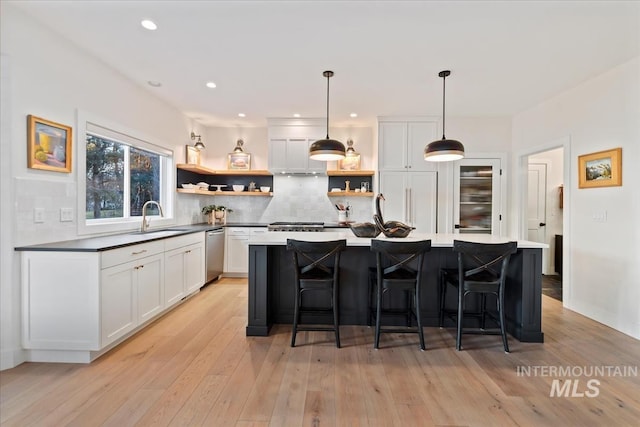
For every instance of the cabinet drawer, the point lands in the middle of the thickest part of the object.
(184, 240)
(238, 232)
(131, 253)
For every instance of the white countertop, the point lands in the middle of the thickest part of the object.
(277, 238)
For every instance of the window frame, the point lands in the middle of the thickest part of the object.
(92, 124)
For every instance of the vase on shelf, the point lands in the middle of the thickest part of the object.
(220, 217)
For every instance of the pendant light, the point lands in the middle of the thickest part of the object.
(327, 149)
(444, 150)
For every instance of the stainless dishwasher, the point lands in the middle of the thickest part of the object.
(214, 253)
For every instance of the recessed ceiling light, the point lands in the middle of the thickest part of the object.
(148, 24)
(242, 115)
(353, 114)
(296, 115)
(154, 83)
(211, 85)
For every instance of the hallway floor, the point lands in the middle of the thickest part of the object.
(552, 286)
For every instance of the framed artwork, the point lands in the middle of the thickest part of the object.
(193, 155)
(601, 169)
(239, 161)
(349, 163)
(48, 145)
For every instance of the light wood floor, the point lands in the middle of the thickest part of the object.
(195, 367)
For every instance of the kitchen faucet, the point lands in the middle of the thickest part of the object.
(145, 221)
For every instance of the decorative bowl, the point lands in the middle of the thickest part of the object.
(203, 185)
(238, 188)
(397, 231)
(265, 189)
(393, 228)
(188, 186)
(364, 229)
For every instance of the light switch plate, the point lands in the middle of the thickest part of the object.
(66, 214)
(38, 215)
(599, 216)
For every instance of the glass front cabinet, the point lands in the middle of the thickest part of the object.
(477, 196)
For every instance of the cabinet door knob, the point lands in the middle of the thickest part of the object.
(542, 224)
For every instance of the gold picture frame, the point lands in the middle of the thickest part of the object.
(239, 161)
(193, 155)
(48, 145)
(349, 163)
(600, 169)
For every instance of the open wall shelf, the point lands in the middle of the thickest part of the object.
(206, 171)
(193, 174)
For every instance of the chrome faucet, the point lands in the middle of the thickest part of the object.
(145, 221)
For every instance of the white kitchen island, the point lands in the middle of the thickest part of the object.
(271, 280)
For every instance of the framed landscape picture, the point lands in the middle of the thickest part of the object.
(349, 163)
(193, 155)
(239, 161)
(601, 169)
(48, 145)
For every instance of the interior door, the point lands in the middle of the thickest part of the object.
(536, 204)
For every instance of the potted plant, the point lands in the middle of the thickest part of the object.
(216, 213)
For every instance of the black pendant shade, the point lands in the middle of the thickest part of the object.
(327, 149)
(444, 150)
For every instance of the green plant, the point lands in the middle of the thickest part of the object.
(215, 208)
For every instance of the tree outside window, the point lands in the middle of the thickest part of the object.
(120, 179)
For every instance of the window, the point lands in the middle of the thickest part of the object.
(121, 173)
(109, 165)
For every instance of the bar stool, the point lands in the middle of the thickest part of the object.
(399, 267)
(317, 268)
(482, 269)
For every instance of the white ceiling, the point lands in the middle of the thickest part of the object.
(267, 57)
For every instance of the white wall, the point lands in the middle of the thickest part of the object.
(50, 78)
(603, 269)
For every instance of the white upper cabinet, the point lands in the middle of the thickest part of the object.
(289, 142)
(291, 155)
(402, 143)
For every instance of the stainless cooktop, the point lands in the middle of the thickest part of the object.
(296, 226)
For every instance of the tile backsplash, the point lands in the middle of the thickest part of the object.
(296, 198)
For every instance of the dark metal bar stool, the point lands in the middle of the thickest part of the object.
(317, 268)
(482, 269)
(399, 267)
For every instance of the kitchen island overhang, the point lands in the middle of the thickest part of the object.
(271, 281)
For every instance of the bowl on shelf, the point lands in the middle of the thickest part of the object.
(364, 229)
(202, 185)
(265, 189)
(188, 186)
(238, 188)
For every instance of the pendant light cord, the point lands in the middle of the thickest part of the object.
(328, 77)
(444, 77)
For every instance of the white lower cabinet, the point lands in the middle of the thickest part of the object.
(77, 305)
(130, 294)
(236, 251)
(184, 270)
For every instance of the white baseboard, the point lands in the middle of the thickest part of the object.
(12, 358)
